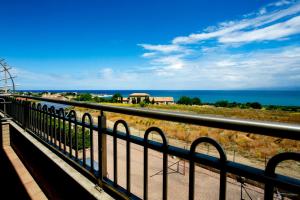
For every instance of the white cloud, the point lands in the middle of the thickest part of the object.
(215, 58)
(273, 32)
(225, 63)
(234, 27)
(281, 3)
(162, 48)
(262, 11)
(169, 62)
(147, 55)
(211, 59)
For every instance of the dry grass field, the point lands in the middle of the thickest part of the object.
(251, 147)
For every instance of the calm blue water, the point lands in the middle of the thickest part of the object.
(56, 105)
(265, 97)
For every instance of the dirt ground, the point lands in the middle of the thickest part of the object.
(206, 182)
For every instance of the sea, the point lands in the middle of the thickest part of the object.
(265, 97)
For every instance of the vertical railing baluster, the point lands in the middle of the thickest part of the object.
(55, 129)
(71, 116)
(26, 115)
(83, 139)
(102, 152)
(61, 122)
(35, 118)
(59, 129)
(165, 161)
(146, 171)
(44, 110)
(50, 125)
(30, 115)
(23, 113)
(223, 160)
(115, 158)
(128, 160)
(83, 144)
(20, 112)
(91, 145)
(271, 170)
(16, 110)
(223, 182)
(165, 174)
(64, 132)
(70, 134)
(46, 125)
(39, 122)
(76, 140)
(115, 152)
(192, 179)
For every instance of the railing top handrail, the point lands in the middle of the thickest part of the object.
(282, 130)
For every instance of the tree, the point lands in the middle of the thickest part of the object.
(255, 105)
(147, 100)
(233, 104)
(152, 102)
(143, 104)
(133, 101)
(99, 99)
(185, 100)
(84, 97)
(117, 98)
(196, 101)
(222, 103)
(69, 94)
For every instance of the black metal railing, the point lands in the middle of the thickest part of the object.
(64, 133)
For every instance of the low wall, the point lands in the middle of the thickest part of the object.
(56, 178)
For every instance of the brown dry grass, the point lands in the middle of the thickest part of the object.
(250, 149)
(247, 144)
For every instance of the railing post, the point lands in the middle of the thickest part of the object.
(102, 148)
(3, 101)
(4, 132)
(26, 114)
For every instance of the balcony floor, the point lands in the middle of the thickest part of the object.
(17, 182)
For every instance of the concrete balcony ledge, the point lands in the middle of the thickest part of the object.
(50, 177)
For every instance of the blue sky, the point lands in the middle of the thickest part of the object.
(205, 44)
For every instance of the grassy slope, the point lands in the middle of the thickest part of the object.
(248, 147)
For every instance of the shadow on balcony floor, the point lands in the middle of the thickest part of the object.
(11, 186)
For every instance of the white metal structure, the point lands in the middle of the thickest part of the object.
(7, 84)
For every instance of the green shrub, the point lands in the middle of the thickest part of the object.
(84, 97)
(185, 100)
(62, 132)
(117, 98)
(222, 103)
(143, 104)
(196, 101)
(255, 105)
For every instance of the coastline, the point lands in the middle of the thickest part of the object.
(264, 97)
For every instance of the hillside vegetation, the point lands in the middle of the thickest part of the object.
(247, 144)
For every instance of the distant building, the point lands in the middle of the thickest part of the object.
(162, 100)
(54, 96)
(136, 98)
